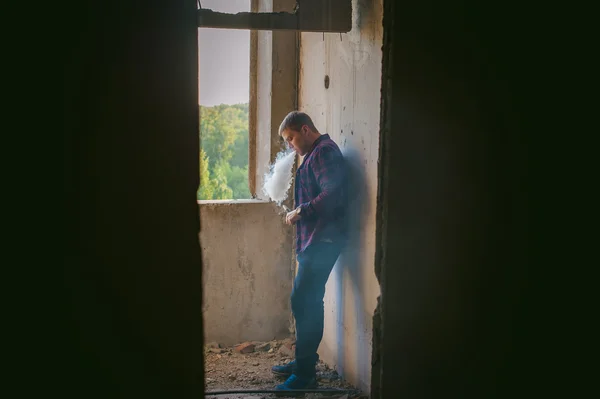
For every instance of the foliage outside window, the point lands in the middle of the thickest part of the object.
(224, 152)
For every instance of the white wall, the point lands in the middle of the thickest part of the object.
(349, 111)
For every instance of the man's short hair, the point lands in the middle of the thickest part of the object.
(295, 120)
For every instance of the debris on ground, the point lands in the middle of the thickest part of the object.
(264, 347)
(248, 366)
(246, 347)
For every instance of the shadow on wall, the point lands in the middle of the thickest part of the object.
(349, 264)
(368, 17)
(364, 12)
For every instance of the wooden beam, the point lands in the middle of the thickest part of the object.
(271, 21)
(247, 20)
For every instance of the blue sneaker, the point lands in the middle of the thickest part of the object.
(297, 382)
(284, 371)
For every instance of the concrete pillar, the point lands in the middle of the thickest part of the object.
(452, 257)
(274, 73)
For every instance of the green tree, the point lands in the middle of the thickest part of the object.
(237, 179)
(224, 152)
(206, 189)
(219, 179)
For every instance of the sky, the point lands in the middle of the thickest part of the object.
(224, 59)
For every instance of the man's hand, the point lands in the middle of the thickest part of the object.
(292, 217)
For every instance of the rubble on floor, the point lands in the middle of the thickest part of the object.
(248, 366)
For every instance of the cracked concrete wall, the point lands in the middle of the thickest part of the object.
(247, 271)
(349, 111)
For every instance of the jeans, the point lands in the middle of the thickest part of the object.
(314, 267)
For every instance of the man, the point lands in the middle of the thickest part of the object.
(319, 216)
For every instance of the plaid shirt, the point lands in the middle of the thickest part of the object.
(320, 192)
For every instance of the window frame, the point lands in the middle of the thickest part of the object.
(274, 68)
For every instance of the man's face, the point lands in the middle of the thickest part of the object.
(296, 139)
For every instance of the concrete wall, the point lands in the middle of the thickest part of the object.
(349, 111)
(247, 271)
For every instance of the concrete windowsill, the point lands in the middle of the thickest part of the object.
(233, 202)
